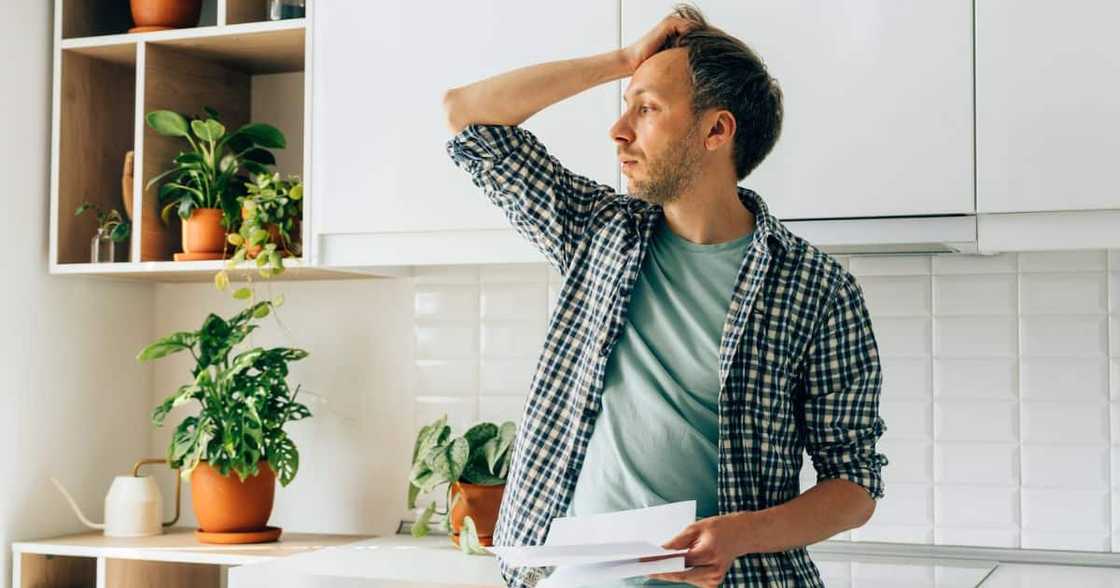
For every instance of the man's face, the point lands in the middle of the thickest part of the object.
(657, 136)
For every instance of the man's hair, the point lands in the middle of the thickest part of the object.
(727, 74)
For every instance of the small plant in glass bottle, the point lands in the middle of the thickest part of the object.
(112, 228)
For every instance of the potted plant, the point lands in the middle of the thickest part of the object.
(112, 228)
(160, 15)
(235, 447)
(474, 466)
(271, 217)
(204, 183)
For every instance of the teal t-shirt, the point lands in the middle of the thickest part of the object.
(655, 440)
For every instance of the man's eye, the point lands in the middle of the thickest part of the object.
(644, 109)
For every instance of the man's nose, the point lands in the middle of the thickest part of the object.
(621, 133)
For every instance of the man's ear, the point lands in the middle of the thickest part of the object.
(721, 129)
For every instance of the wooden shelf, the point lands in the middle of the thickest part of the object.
(251, 70)
(201, 271)
(172, 559)
(254, 48)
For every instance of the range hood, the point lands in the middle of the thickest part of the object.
(899, 234)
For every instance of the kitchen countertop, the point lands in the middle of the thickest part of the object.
(401, 561)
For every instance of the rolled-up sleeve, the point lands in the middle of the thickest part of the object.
(842, 384)
(544, 201)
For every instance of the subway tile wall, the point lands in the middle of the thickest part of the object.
(1001, 386)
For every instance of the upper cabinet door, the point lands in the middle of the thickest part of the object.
(878, 101)
(1048, 105)
(380, 70)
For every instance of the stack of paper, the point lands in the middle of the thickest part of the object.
(596, 548)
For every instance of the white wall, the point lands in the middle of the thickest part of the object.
(355, 451)
(71, 391)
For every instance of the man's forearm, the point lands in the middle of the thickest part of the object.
(512, 97)
(830, 507)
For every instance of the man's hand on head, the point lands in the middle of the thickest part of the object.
(652, 41)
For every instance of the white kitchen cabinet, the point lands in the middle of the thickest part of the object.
(878, 102)
(379, 154)
(1048, 105)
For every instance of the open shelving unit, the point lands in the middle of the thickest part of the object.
(236, 61)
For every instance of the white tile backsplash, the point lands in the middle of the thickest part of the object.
(975, 378)
(1065, 422)
(974, 336)
(1062, 261)
(1001, 387)
(896, 295)
(1065, 335)
(976, 506)
(975, 294)
(981, 464)
(1064, 293)
(1065, 378)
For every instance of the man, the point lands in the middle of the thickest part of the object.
(698, 347)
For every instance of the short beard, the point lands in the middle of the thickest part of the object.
(670, 174)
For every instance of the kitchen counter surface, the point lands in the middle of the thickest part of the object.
(403, 561)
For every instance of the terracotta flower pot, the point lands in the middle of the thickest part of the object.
(225, 504)
(203, 233)
(481, 503)
(159, 15)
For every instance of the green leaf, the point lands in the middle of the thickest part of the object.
(221, 280)
(168, 345)
(120, 232)
(506, 435)
(297, 192)
(260, 312)
(165, 214)
(286, 460)
(420, 527)
(479, 434)
(242, 293)
(476, 472)
(258, 236)
(448, 461)
(413, 492)
(83, 207)
(468, 539)
(261, 156)
(208, 130)
(166, 122)
(183, 395)
(264, 135)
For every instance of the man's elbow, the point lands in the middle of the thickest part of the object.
(452, 111)
(868, 509)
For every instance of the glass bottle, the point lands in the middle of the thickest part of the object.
(102, 249)
(282, 9)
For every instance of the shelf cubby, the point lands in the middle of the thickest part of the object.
(56, 570)
(94, 18)
(96, 128)
(244, 66)
(221, 72)
(243, 11)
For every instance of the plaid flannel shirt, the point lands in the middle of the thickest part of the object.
(798, 362)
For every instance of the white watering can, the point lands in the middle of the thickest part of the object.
(133, 506)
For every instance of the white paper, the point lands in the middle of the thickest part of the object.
(595, 548)
(655, 524)
(571, 576)
(565, 555)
